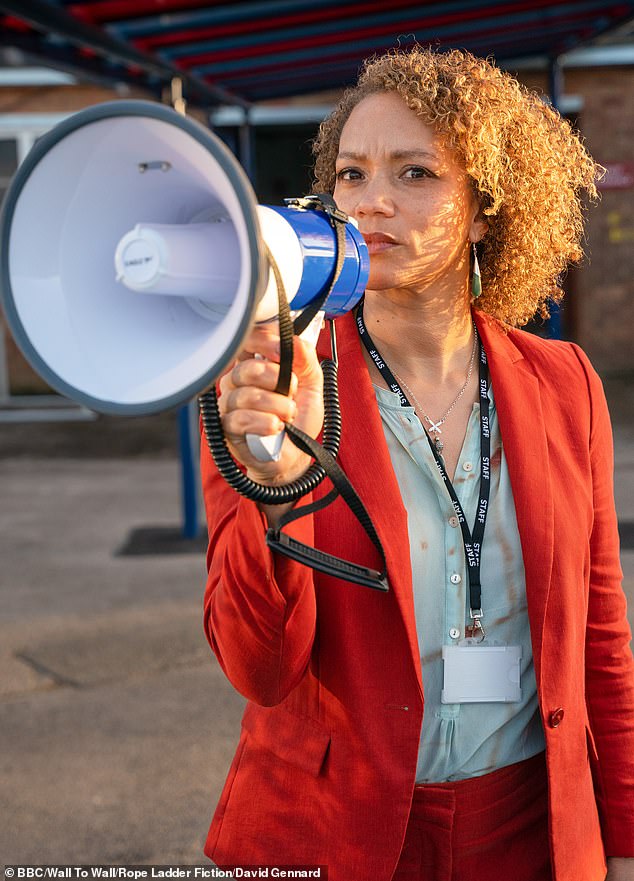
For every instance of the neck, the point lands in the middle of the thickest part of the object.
(417, 334)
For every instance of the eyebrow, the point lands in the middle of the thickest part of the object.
(397, 154)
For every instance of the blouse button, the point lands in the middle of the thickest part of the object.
(556, 717)
(455, 578)
(453, 521)
(454, 633)
(467, 466)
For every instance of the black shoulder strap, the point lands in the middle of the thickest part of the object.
(285, 323)
(310, 556)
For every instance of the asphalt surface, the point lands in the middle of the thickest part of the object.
(117, 726)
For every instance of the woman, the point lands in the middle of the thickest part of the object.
(522, 764)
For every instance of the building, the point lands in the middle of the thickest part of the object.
(598, 85)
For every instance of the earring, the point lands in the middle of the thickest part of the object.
(476, 281)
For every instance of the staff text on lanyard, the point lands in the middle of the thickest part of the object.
(472, 538)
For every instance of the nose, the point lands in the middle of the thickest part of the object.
(374, 198)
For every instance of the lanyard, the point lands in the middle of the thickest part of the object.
(472, 538)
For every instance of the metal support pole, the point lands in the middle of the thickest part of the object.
(190, 472)
(245, 147)
(555, 88)
(5, 388)
(178, 102)
(24, 142)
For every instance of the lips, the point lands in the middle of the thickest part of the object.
(379, 241)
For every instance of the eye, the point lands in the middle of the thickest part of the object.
(349, 174)
(417, 172)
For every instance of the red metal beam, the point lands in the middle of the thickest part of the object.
(351, 37)
(345, 14)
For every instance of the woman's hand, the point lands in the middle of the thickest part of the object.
(620, 869)
(249, 404)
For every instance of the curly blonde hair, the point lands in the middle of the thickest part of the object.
(527, 166)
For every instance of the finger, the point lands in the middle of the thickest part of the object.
(224, 380)
(305, 360)
(250, 398)
(261, 373)
(237, 423)
(262, 342)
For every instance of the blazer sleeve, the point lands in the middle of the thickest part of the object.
(609, 663)
(259, 609)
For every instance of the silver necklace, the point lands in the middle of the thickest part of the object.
(434, 427)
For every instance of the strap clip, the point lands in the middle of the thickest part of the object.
(328, 564)
(318, 202)
(476, 629)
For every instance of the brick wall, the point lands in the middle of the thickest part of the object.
(604, 285)
(58, 99)
(606, 291)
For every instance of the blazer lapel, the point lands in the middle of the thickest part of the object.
(523, 429)
(366, 461)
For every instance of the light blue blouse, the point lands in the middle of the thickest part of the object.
(462, 740)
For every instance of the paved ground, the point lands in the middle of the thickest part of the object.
(116, 725)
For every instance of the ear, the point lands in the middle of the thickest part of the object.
(479, 225)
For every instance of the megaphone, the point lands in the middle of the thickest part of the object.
(134, 261)
(134, 258)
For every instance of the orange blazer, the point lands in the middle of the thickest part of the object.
(325, 765)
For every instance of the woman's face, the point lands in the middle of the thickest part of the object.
(412, 200)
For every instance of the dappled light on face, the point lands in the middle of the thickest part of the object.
(397, 178)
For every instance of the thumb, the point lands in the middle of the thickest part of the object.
(306, 365)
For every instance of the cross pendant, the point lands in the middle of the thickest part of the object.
(435, 427)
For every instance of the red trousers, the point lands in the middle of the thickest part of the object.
(489, 827)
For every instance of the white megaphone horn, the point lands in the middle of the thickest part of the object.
(134, 258)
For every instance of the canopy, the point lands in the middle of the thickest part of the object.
(243, 52)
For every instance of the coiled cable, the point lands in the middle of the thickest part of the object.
(285, 493)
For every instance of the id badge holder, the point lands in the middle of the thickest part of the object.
(481, 672)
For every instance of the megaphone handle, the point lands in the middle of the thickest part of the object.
(269, 447)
